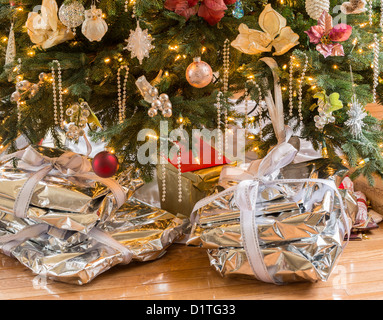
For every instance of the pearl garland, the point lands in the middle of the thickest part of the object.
(61, 123)
(301, 86)
(381, 14)
(376, 66)
(122, 100)
(226, 68)
(291, 95)
(179, 174)
(219, 133)
(260, 106)
(163, 172)
(370, 9)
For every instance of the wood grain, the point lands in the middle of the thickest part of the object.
(184, 273)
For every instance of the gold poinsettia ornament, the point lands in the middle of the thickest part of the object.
(275, 35)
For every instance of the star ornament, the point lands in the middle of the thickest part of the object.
(139, 43)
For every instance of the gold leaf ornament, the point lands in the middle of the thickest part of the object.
(275, 35)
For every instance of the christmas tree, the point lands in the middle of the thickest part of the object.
(327, 52)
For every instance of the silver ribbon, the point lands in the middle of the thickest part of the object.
(68, 164)
(264, 172)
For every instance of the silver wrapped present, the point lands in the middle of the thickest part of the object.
(300, 226)
(276, 221)
(65, 223)
(56, 187)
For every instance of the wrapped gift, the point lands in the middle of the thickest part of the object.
(295, 229)
(277, 220)
(56, 187)
(197, 180)
(135, 232)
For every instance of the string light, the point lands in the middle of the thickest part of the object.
(107, 60)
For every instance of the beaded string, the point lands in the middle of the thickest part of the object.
(59, 80)
(301, 87)
(291, 94)
(370, 9)
(376, 66)
(260, 106)
(122, 97)
(381, 14)
(219, 132)
(226, 67)
(163, 172)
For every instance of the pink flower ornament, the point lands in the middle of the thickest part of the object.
(327, 37)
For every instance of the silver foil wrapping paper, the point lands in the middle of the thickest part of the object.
(74, 257)
(301, 230)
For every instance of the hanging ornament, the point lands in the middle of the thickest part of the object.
(275, 35)
(356, 115)
(78, 114)
(139, 43)
(105, 164)
(57, 113)
(353, 7)
(72, 15)
(159, 102)
(122, 97)
(315, 8)
(94, 26)
(10, 54)
(238, 11)
(376, 67)
(199, 73)
(326, 106)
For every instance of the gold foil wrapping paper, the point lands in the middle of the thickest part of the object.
(65, 201)
(70, 209)
(196, 185)
(301, 234)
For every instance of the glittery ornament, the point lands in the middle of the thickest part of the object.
(315, 8)
(139, 43)
(199, 73)
(72, 15)
(10, 54)
(94, 26)
(356, 115)
(238, 11)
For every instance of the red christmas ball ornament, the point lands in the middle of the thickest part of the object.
(105, 164)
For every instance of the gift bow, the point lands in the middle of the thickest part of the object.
(264, 172)
(68, 164)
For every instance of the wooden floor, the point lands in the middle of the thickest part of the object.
(184, 273)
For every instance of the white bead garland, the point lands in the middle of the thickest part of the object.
(381, 14)
(376, 66)
(370, 11)
(179, 174)
(59, 80)
(226, 68)
(291, 94)
(301, 87)
(122, 97)
(260, 106)
(219, 132)
(163, 172)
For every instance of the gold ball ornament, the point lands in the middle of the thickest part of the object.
(199, 73)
